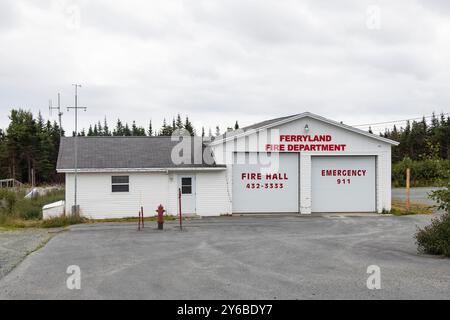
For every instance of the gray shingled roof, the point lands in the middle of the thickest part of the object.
(266, 122)
(122, 153)
(253, 126)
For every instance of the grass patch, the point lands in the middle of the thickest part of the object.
(398, 208)
(16, 212)
(57, 222)
(65, 221)
(14, 206)
(8, 223)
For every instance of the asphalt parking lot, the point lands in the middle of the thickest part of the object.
(285, 257)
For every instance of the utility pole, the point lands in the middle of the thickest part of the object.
(51, 107)
(75, 209)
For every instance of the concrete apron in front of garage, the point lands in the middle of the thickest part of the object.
(312, 215)
(274, 257)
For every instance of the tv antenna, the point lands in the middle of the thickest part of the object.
(58, 107)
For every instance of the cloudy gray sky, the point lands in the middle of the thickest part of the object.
(220, 61)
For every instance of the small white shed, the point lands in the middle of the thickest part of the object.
(53, 210)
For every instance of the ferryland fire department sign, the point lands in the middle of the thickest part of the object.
(299, 142)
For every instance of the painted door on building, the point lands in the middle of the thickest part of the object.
(265, 183)
(188, 190)
(343, 184)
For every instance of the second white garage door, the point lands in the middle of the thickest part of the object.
(343, 184)
(265, 184)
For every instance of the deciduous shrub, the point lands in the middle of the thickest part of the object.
(428, 172)
(435, 238)
(8, 200)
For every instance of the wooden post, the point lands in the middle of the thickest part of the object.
(33, 182)
(408, 176)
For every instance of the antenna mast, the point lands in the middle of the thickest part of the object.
(75, 208)
(58, 107)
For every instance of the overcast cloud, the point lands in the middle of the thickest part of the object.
(220, 61)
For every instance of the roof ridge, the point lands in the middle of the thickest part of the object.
(282, 120)
(269, 120)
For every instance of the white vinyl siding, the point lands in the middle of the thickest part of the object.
(213, 199)
(97, 201)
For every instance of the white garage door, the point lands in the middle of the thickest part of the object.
(265, 183)
(343, 184)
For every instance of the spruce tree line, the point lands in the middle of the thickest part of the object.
(420, 140)
(29, 145)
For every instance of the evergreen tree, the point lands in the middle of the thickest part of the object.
(137, 131)
(166, 130)
(22, 144)
(134, 129)
(150, 129)
(126, 130)
(106, 131)
(236, 125)
(48, 148)
(179, 123)
(119, 130)
(189, 127)
(100, 129)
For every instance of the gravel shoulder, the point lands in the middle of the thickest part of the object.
(15, 245)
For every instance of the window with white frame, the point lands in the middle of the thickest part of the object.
(120, 183)
(186, 185)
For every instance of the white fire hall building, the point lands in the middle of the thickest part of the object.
(299, 164)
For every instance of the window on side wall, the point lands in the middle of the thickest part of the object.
(186, 185)
(120, 183)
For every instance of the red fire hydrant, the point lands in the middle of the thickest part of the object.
(160, 212)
